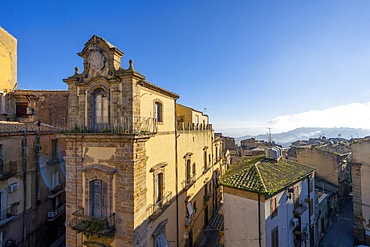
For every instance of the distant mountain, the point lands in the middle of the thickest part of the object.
(286, 138)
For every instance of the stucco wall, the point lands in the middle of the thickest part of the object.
(8, 61)
(241, 221)
(326, 163)
(361, 185)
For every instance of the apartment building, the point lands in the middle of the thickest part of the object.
(142, 169)
(268, 201)
(31, 185)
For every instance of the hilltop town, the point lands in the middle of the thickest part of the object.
(115, 160)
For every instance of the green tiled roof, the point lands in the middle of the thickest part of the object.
(264, 176)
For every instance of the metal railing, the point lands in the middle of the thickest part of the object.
(54, 214)
(8, 170)
(93, 225)
(119, 125)
(190, 181)
(182, 126)
(157, 207)
(9, 213)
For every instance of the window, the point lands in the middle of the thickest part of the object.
(188, 171)
(189, 213)
(21, 109)
(99, 198)
(159, 188)
(196, 119)
(161, 240)
(100, 109)
(158, 110)
(216, 153)
(55, 179)
(205, 160)
(273, 207)
(275, 237)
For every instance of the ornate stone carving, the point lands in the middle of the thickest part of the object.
(96, 58)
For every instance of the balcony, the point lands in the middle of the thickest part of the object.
(119, 125)
(8, 170)
(182, 126)
(154, 210)
(300, 237)
(103, 227)
(189, 182)
(52, 215)
(9, 213)
(57, 190)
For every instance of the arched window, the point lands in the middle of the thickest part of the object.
(100, 115)
(98, 199)
(158, 111)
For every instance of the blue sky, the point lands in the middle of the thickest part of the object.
(251, 64)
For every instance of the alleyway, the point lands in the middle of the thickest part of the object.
(341, 232)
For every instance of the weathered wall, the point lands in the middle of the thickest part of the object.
(8, 61)
(361, 196)
(326, 163)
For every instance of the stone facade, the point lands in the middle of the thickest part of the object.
(331, 166)
(158, 177)
(360, 185)
(49, 107)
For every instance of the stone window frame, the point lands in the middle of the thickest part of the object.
(101, 172)
(91, 101)
(205, 159)
(187, 159)
(161, 228)
(158, 116)
(156, 170)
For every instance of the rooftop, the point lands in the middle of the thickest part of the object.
(260, 175)
(7, 127)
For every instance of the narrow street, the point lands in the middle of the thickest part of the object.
(341, 231)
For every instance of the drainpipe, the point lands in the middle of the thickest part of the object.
(259, 221)
(176, 174)
(38, 162)
(24, 167)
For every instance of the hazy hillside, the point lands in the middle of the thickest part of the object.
(285, 138)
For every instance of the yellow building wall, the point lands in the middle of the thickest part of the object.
(8, 61)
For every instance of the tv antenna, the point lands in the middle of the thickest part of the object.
(269, 134)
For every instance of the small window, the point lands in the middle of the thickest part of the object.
(55, 179)
(194, 170)
(275, 237)
(205, 160)
(161, 240)
(188, 171)
(99, 198)
(158, 111)
(159, 188)
(21, 109)
(196, 119)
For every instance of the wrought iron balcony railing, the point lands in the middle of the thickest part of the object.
(182, 126)
(156, 208)
(8, 170)
(52, 215)
(189, 182)
(9, 213)
(104, 227)
(119, 125)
